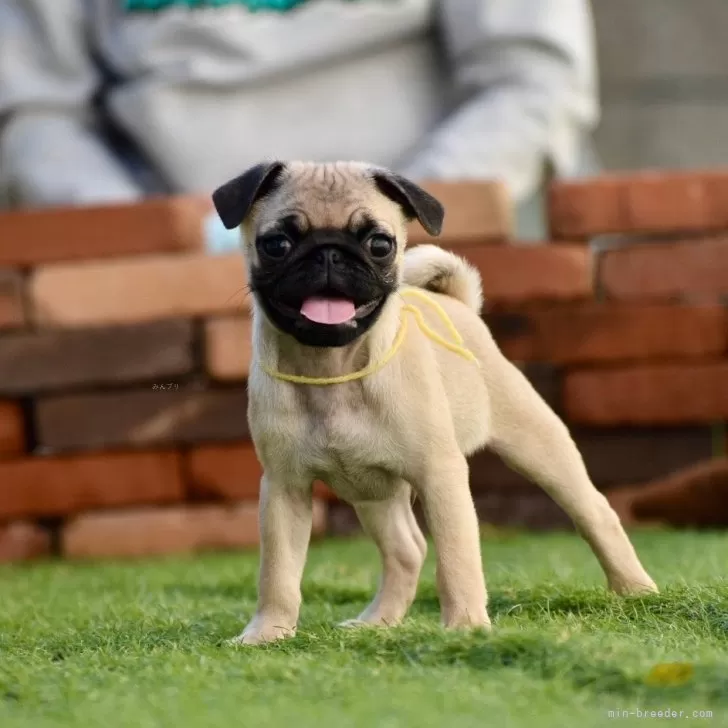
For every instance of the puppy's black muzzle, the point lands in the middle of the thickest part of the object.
(324, 263)
(331, 259)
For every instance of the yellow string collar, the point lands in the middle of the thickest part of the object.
(456, 345)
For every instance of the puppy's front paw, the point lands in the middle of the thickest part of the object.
(261, 630)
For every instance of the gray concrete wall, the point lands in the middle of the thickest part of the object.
(664, 83)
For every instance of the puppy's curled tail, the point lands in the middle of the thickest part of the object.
(440, 271)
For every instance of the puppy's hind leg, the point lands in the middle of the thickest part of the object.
(393, 527)
(532, 439)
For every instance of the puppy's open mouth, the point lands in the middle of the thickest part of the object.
(330, 311)
(334, 311)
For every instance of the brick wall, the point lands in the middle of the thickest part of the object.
(124, 352)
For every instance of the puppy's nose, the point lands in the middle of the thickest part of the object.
(329, 256)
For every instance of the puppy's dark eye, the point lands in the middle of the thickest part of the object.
(276, 246)
(380, 246)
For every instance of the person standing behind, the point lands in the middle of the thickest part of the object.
(113, 100)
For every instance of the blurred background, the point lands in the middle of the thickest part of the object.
(547, 127)
(659, 80)
(662, 88)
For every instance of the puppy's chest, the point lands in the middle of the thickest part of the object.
(340, 439)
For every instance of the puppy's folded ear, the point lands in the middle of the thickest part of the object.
(414, 201)
(234, 199)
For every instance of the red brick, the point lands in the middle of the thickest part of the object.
(689, 270)
(159, 531)
(12, 311)
(230, 472)
(165, 225)
(141, 417)
(138, 289)
(615, 456)
(514, 274)
(53, 486)
(691, 497)
(23, 541)
(62, 358)
(640, 203)
(655, 394)
(475, 212)
(597, 332)
(12, 430)
(228, 348)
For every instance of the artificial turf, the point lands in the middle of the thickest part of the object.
(143, 644)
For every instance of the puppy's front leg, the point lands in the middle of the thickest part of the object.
(445, 492)
(285, 530)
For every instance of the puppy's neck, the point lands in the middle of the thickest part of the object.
(277, 351)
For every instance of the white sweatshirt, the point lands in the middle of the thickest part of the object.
(433, 88)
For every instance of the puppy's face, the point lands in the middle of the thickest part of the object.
(324, 243)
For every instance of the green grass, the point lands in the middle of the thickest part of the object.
(139, 645)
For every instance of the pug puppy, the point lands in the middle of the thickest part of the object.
(347, 386)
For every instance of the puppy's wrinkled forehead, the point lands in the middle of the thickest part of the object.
(338, 195)
(334, 195)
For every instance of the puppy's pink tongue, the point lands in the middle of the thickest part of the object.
(328, 310)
